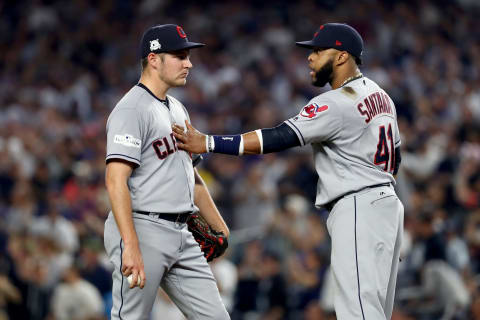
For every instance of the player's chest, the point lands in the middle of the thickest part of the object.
(160, 135)
(162, 119)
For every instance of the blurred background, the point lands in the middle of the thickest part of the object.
(65, 64)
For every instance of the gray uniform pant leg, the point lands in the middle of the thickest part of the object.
(167, 259)
(366, 230)
(191, 285)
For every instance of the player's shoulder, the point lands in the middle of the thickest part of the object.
(319, 106)
(352, 92)
(128, 106)
(328, 98)
(371, 85)
(135, 98)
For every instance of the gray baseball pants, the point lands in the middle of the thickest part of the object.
(366, 230)
(173, 260)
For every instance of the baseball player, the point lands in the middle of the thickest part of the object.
(356, 146)
(154, 188)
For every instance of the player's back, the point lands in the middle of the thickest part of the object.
(361, 152)
(370, 127)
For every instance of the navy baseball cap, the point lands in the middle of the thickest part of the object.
(339, 36)
(165, 38)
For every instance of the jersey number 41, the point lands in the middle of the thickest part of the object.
(385, 149)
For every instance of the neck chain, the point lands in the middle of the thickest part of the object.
(355, 77)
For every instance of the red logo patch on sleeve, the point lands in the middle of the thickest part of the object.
(313, 110)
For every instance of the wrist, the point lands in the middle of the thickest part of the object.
(209, 144)
(131, 242)
(228, 144)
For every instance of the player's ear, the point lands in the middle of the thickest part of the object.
(342, 57)
(153, 60)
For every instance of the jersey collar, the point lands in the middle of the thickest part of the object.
(358, 76)
(165, 102)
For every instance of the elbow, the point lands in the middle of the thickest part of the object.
(109, 182)
(112, 182)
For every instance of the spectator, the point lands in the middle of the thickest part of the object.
(76, 299)
(59, 79)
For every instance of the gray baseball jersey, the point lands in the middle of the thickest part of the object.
(139, 131)
(353, 132)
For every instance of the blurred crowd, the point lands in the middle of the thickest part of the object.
(65, 64)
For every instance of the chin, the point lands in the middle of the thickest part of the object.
(179, 83)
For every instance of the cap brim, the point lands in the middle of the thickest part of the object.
(188, 45)
(306, 44)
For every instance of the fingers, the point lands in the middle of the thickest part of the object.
(176, 128)
(179, 137)
(142, 279)
(126, 270)
(134, 279)
(188, 125)
(137, 278)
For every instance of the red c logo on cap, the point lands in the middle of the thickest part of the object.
(181, 33)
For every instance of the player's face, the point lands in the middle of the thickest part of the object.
(321, 64)
(175, 67)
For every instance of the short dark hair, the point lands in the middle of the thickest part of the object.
(358, 61)
(144, 61)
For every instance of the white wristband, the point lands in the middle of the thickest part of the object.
(210, 143)
(260, 139)
(207, 145)
(241, 147)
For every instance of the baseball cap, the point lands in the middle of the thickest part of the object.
(165, 38)
(339, 36)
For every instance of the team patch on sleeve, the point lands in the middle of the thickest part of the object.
(313, 110)
(127, 140)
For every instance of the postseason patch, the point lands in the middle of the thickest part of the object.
(127, 140)
(312, 110)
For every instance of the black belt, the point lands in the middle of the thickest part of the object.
(329, 206)
(175, 217)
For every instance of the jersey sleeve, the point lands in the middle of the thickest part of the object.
(398, 142)
(124, 136)
(320, 120)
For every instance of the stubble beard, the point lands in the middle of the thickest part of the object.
(175, 82)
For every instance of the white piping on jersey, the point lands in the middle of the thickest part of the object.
(260, 139)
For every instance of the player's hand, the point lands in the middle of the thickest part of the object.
(132, 264)
(191, 140)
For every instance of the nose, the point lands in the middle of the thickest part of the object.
(310, 57)
(188, 63)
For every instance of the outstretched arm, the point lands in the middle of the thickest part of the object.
(254, 142)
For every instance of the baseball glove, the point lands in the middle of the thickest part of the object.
(212, 243)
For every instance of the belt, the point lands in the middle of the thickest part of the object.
(175, 217)
(329, 206)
